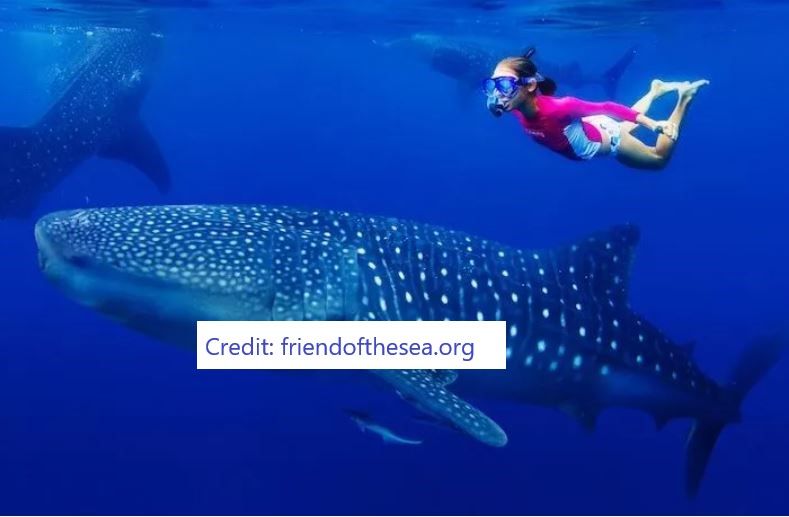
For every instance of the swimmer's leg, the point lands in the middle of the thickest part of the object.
(657, 89)
(634, 153)
(686, 92)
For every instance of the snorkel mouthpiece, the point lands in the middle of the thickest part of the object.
(495, 107)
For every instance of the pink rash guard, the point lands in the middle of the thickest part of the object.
(556, 114)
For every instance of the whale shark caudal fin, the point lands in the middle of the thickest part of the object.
(427, 391)
(753, 364)
(24, 175)
(611, 77)
(136, 146)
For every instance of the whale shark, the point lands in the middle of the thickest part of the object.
(97, 114)
(573, 341)
(468, 64)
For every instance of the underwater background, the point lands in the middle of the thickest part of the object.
(307, 104)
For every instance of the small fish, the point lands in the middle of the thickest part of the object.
(366, 423)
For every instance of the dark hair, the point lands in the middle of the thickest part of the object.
(525, 67)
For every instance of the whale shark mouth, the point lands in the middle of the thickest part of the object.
(55, 255)
(73, 269)
(146, 303)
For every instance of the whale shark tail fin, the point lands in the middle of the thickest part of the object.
(136, 146)
(754, 363)
(611, 77)
(22, 181)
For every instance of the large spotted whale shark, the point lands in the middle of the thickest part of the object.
(97, 114)
(572, 340)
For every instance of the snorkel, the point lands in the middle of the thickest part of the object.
(495, 106)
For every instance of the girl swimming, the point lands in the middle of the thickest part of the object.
(582, 130)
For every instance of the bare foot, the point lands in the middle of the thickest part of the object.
(660, 88)
(687, 90)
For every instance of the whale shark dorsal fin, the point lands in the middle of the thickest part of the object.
(601, 262)
(425, 390)
(136, 146)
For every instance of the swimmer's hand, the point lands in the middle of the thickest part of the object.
(666, 128)
(663, 127)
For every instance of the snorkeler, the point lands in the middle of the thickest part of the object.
(582, 130)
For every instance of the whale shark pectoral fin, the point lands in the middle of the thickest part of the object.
(428, 393)
(136, 146)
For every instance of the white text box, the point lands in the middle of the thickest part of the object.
(351, 345)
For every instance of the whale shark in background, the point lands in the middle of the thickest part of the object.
(469, 64)
(97, 114)
(572, 340)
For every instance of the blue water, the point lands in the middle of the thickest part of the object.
(298, 103)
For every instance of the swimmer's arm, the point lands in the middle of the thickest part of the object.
(643, 120)
(663, 127)
(570, 108)
(577, 108)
